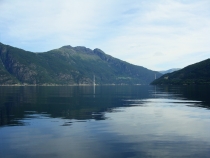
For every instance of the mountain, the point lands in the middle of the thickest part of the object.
(169, 71)
(68, 66)
(198, 73)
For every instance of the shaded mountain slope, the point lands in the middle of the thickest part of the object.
(198, 73)
(68, 65)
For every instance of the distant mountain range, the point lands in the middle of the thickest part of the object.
(169, 71)
(68, 66)
(198, 73)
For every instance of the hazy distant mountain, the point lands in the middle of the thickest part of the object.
(198, 73)
(68, 65)
(169, 71)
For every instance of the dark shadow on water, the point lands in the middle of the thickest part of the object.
(192, 93)
(84, 102)
(77, 102)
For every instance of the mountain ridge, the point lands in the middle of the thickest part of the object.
(169, 70)
(68, 65)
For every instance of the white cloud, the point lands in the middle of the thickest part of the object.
(133, 31)
(173, 28)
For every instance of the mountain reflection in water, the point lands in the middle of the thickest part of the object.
(105, 121)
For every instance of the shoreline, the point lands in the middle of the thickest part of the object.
(70, 85)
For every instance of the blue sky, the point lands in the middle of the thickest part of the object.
(156, 34)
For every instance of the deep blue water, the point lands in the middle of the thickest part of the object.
(105, 121)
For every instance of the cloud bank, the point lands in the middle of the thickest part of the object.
(155, 34)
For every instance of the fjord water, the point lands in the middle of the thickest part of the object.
(105, 121)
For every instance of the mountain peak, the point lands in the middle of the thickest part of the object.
(67, 46)
(98, 50)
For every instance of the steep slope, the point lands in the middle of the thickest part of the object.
(198, 73)
(68, 65)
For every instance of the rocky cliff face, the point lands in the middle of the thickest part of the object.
(68, 65)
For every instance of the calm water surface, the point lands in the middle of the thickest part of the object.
(105, 121)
